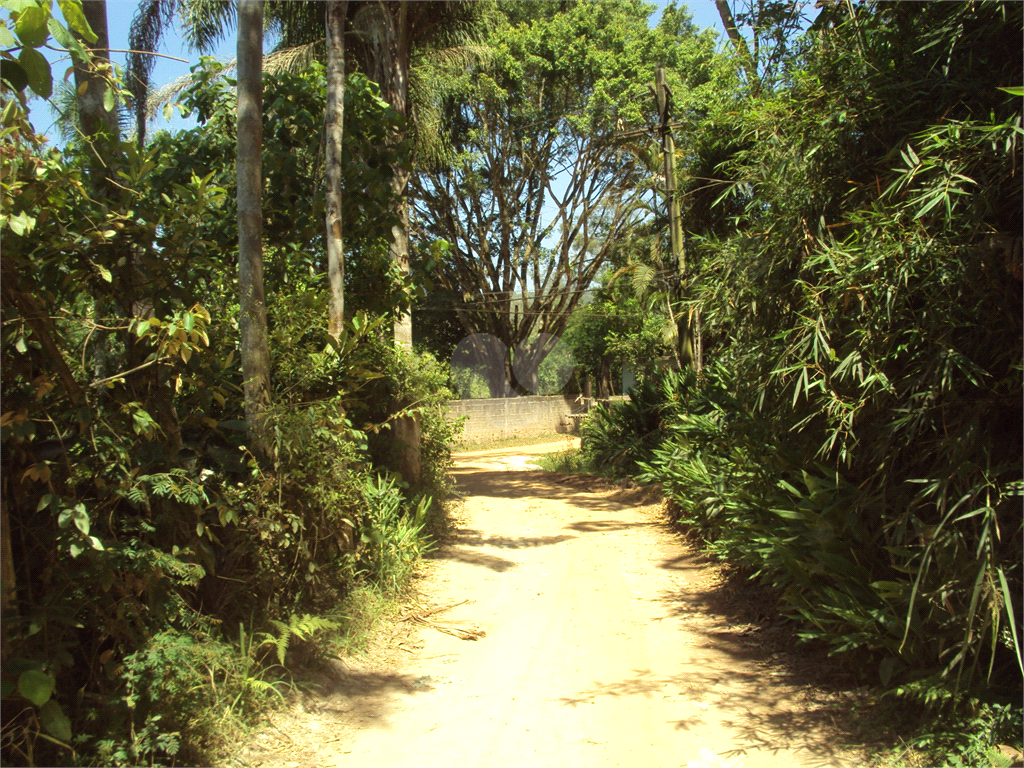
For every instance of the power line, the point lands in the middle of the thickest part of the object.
(485, 310)
(515, 296)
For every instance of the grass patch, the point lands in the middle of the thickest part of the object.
(574, 461)
(571, 461)
(364, 610)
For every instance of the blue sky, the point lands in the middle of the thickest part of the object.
(121, 12)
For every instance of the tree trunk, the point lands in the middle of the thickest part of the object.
(336, 10)
(95, 120)
(384, 57)
(399, 100)
(400, 253)
(8, 583)
(252, 307)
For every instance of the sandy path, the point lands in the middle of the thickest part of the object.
(600, 649)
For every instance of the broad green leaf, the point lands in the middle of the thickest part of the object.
(141, 328)
(64, 518)
(73, 15)
(36, 686)
(885, 669)
(108, 99)
(18, 5)
(15, 74)
(21, 224)
(37, 69)
(44, 502)
(188, 321)
(75, 550)
(96, 543)
(20, 345)
(105, 273)
(168, 111)
(55, 721)
(31, 26)
(789, 514)
(6, 38)
(60, 32)
(64, 37)
(81, 517)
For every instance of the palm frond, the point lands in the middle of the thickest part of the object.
(148, 26)
(170, 93)
(460, 55)
(64, 105)
(204, 23)
(296, 59)
(289, 60)
(297, 22)
(643, 277)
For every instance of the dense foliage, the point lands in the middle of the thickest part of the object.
(856, 441)
(159, 582)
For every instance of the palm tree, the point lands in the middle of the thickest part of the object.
(252, 307)
(388, 37)
(91, 78)
(336, 10)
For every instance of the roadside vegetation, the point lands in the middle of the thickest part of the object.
(169, 571)
(852, 436)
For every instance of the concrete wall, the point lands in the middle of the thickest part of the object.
(508, 417)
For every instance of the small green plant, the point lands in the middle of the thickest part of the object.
(391, 534)
(302, 627)
(250, 672)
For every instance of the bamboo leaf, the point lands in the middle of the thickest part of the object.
(1008, 604)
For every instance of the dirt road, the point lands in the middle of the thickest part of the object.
(605, 643)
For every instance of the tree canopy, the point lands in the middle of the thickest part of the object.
(541, 188)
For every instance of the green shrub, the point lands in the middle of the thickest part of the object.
(617, 436)
(193, 684)
(412, 383)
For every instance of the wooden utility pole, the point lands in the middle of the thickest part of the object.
(668, 150)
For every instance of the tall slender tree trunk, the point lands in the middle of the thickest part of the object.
(384, 50)
(335, 11)
(8, 581)
(252, 306)
(91, 82)
(399, 100)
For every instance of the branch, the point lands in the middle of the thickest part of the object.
(136, 369)
(749, 65)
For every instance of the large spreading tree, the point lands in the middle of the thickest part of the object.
(542, 185)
